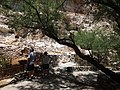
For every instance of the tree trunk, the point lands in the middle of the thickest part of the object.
(114, 76)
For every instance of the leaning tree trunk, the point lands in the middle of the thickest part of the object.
(114, 76)
(111, 74)
(49, 31)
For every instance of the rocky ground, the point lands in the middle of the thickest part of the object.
(87, 80)
(54, 82)
(12, 45)
(63, 80)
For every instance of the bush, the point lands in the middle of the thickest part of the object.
(4, 61)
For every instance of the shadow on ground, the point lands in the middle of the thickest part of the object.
(62, 81)
(54, 82)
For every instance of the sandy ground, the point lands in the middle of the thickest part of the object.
(55, 82)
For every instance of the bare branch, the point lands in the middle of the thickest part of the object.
(61, 5)
(36, 12)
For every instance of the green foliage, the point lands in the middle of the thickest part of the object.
(4, 61)
(98, 41)
(35, 14)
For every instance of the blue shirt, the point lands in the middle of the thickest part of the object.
(31, 57)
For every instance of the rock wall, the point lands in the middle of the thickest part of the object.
(12, 45)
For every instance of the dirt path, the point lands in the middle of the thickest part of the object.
(53, 82)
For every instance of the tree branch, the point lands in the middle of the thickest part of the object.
(61, 5)
(36, 12)
(88, 58)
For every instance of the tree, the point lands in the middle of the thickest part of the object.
(110, 8)
(46, 16)
(99, 42)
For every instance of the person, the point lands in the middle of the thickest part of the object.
(45, 64)
(30, 63)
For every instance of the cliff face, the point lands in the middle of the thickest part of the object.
(77, 6)
(12, 45)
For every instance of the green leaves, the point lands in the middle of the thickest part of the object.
(32, 13)
(97, 41)
(85, 39)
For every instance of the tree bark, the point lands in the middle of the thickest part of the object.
(111, 74)
(47, 31)
(114, 76)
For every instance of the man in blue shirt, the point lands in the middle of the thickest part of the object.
(30, 63)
